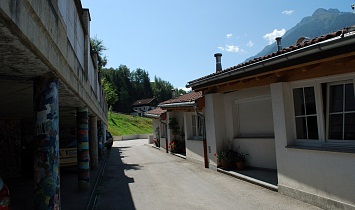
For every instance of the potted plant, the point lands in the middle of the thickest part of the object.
(172, 146)
(241, 160)
(174, 126)
(177, 146)
(224, 158)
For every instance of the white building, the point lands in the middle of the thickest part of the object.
(292, 111)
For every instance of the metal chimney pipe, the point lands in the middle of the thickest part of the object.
(218, 62)
(173, 93)
(278, 42)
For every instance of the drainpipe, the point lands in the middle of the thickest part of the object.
(204, 136)
(166, 136)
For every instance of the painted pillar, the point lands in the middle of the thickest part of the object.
(100, 138)
(46, 160)
(93, 143)
(104, 134)
(83, 149)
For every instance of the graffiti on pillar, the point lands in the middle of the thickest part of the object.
(83, 149)
(100, 138)
(94, 157)
(46, 162)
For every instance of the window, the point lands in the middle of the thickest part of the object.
(305, 113)
(341, 111)
(197, 126)
(325, 112)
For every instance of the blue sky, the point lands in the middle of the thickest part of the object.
(176, 39)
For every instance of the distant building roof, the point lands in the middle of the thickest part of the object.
(145, 102)
(155, 113)
(189, 97)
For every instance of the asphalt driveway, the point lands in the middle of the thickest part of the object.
(138, 176)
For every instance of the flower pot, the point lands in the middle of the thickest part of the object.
(241, 166)
(225, 164)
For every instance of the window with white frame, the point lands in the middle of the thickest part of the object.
(197, 127)
(324, 112)
(305, 113)
(341, 111)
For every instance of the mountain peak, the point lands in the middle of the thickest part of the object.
(320, 23)
(321, 11)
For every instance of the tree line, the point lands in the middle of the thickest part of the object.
(130, 86)
(123, 87)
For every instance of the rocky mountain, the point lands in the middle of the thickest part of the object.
(321, 22)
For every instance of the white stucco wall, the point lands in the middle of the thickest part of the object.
(156, 124)
(215, 126)
(309, 175)
(194, 150)
(221, 119)
(163, 143)
(261, 151)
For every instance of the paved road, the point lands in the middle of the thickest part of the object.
(138, 176)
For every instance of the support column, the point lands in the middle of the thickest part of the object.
(46, 160)
(100, 138)
(104, 134)
(93, 143)
(83, 149)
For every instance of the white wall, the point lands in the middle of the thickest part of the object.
(163, 143)
(215, 126)
(194, 150)
(221, 119)
(261, 151)
(319, 177)
(156, 124)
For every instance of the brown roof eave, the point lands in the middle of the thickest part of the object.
(328, 48)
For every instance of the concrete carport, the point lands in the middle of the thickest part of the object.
(49, 86)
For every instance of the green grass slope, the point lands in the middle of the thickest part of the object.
(120, 124)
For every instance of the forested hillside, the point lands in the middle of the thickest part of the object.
(135, 85)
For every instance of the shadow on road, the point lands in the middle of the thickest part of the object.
(114, 191)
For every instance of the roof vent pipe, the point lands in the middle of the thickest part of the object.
(218, 62)
(173, 93)
(278, 42)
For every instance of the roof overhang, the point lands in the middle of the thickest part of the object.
(178, 105)
(309, 57)
(156, 116)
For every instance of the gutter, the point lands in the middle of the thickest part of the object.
(302, 52)
(182, 104)
(152, 115)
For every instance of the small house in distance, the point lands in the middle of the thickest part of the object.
(140, 107)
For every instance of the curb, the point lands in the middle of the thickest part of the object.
(93, 196)
(249, 179)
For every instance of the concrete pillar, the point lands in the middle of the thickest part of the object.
(83, 149)
(93, 143)
(104, 134)
(100, 138)
(215, 126)
(46, 160)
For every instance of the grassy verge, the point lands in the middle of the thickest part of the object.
(120, 124)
